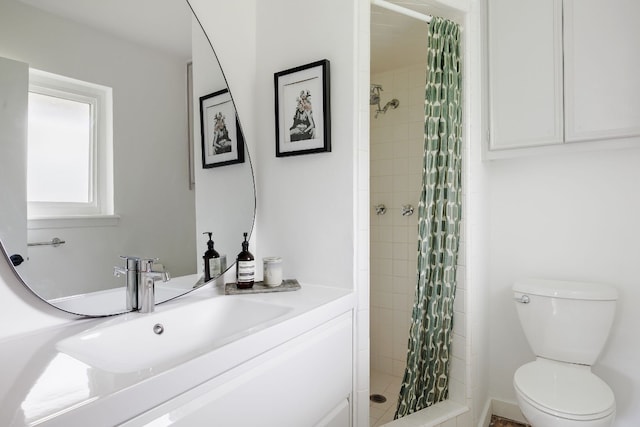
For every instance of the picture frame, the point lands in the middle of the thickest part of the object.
(302, 109)
(222, 143)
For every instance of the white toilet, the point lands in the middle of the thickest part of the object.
(567, 325)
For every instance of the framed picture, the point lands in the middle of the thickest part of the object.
(222, 140)
(303, 117)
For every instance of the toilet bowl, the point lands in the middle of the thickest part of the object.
(566, 325)
(555, 394)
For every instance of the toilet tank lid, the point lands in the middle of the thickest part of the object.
(566, 289)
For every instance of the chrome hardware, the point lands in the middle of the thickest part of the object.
(130, 271)
(55, 242)
(158, 329)
(140, 282)
(380, 209)
(524, 299)
(146, 284)
(374, 99)
(407, 210)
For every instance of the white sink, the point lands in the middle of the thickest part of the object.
(129, 344)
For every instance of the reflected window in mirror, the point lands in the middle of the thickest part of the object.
(69, 165)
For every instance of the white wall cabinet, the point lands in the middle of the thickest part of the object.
(601, 60)
(562, 71)
(525, 72)
(304, 382)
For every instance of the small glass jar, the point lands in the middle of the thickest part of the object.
(272, 271)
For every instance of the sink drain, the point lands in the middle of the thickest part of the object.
(377, 398)
(158, 328)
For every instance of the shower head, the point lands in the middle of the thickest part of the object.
(393, 104)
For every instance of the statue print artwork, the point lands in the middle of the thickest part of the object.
(303, 119)
(222, 141)
(303, 126)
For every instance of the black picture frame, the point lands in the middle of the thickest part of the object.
(303, 109)
(221, 144)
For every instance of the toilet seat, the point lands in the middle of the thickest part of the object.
(564, 390)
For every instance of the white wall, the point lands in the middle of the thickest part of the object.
(150, 154)
(316, 202)
(306, 203)
(225, 198)
(310, 206)
(14, 87)
(231, 28)
(572, 217)
(477, 217)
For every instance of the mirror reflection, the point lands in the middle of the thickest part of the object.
(100, 148)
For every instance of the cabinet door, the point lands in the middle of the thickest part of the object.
(304, 382)
(525, 72)
(602, 57)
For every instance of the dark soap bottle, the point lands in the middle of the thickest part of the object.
(245, 267)
(211, 261)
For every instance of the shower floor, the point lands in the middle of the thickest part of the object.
(388, 386)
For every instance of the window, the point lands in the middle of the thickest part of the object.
(69, 149)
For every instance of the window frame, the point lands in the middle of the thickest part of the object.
(100, 98)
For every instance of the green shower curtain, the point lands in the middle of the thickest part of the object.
(426, 378)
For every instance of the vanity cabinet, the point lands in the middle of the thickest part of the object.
(306, 381)
(562, 71)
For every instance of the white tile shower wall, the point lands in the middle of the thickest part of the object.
(396, 172)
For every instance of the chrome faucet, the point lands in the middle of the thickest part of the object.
(146, 284)
(140, 282)
(130, 271)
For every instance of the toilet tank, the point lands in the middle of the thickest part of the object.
(565, 321)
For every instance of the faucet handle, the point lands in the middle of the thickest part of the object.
(145, 265)
(119, 271)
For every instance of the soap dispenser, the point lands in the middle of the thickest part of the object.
(211, 260)
(245, 267)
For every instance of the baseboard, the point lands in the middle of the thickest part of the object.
(507, 409)
(485, 417)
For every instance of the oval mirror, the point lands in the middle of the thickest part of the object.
(101, 149)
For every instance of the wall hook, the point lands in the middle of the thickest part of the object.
(407, 210)
(380, 209)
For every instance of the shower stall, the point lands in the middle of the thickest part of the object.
(397, 99)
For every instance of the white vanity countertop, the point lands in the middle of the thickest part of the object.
(41, 385)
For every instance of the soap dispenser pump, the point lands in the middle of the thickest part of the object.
(211, 260)
(245, 267)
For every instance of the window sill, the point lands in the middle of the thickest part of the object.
(73, 221)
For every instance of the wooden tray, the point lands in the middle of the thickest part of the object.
(259, 287)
